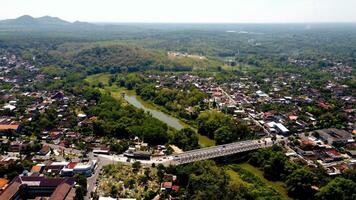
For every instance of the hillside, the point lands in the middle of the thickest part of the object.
(103, 57)
(27, 20)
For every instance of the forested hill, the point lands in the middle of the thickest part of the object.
(112, 56)
(102, 57)
(27, 20)
(254, 44)
(47, 27)
(43, 24)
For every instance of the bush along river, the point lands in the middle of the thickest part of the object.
(169, 120)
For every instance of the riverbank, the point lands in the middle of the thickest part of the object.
(131, 97)
(278, 186)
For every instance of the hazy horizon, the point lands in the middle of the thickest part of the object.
(185, 11)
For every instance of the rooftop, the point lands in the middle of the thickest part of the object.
(63, 186)
(335, 133)
(8, 127)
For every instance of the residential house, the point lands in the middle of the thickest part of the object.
(333, 135)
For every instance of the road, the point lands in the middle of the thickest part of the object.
(182, 158)
(101, 162)
(198, 154)
(255, 121)
(221, 150)
(91, 181)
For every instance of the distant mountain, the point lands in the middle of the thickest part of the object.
(53, 27)
(51, 20)
(28, 20)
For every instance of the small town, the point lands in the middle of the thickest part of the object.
(64, 152)
(188, 100)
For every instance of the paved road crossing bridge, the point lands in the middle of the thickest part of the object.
(220, 150)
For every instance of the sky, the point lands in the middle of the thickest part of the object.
(185, 11)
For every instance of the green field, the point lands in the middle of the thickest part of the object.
(98, 78)
(204, 141)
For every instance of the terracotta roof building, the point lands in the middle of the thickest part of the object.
(35, 187)
(4, 127)
(3, 183)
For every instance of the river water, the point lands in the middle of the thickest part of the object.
(169, 120)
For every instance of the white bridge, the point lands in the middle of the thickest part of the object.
(220, 150)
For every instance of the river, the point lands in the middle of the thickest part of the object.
(169, 120)
(136, 101)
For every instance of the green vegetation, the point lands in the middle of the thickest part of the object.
(300, 180)
(98, 79)
(185, 102)
(81, 190)
(102, 81)
(259, 187)
(300, 183)
(279, 186)
(206, 180)
(340, 188)
(260, 53)
(121, 180)
(124, 121)
(204, 141)
(186, 138)
(14, 169)
(221, 127)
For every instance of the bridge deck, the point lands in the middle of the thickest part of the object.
(220, 150)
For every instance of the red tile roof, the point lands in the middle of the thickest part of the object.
(8, 127)
(63, 186)
(175, 188)
(61, 192)
(3, 182)
(167, 184)
(10, 191)
(36, 168)
(71, 165)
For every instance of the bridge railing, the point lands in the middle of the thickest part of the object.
(219, 151)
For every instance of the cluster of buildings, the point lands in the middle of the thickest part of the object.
(64, 168)
(281, 105)
(53, 151)
(284, 105)
(170, 185)
(140, 150)
(48, 151)
(283, 100)
(331, 148)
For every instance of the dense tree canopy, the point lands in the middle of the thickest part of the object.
(221, 127)
(299, 184)
(124, 121)
(186, 138)
(339, 188)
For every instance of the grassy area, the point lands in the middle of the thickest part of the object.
(258, 189)
(277, 185)
(204, 141)
(234, 176)
(98, 78)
